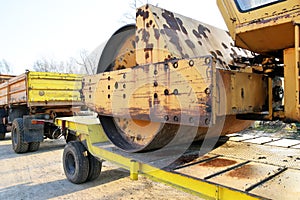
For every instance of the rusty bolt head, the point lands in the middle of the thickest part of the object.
(166, 118)
(175, 65)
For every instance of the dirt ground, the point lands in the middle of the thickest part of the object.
(40, 175)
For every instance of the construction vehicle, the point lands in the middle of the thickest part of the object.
(169, 80)
(30, 102)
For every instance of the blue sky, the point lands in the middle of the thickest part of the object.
(60, 29)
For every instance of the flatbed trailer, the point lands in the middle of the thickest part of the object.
(239, 166)
(30, 102)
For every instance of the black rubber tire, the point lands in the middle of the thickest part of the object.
(17, 136)
(75, 163)
(2, 131)
(95, 168)
(33, 146)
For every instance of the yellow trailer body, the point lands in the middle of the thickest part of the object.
(42, 89)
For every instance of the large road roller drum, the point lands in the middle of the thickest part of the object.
(174, 74)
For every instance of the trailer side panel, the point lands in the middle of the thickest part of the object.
(53, 89)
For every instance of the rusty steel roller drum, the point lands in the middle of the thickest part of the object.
(160, 36)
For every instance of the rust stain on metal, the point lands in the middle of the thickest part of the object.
(166, 68)
(218, 162)
(187, 158)
(176, 36)
(245, 171)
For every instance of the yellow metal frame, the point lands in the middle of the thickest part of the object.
(83, 126)
(270, 29)
(132, 91)
(291, 78)
(297, 58)
(90, 132)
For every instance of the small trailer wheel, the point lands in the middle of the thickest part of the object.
(95, 168)
(75, 162)
(33, 146)
(17, 130)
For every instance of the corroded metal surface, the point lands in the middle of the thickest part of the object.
(274, 155)
(246, 176)
(210, 167)
(166, 80)
(249, 167)
(174, 92)
(163, 35)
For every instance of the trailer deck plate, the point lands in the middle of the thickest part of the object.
(245, 176)
(262, 140)
(232, 169)
(283, 186)
(273, 155)
(285, 143)
(239, 138)
(210, 167)
(296, 146)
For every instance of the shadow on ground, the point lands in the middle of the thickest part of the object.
(57, 188)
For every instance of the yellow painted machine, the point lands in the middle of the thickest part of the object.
(166, 82)
(169, 80)
(270, 28)
(30, 102)
(169, 72)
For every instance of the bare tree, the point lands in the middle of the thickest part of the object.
(4, 67)
(88, 62)
(41, 66)
(50, 65)
(129, 17)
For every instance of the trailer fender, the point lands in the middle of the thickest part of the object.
(33, 129)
